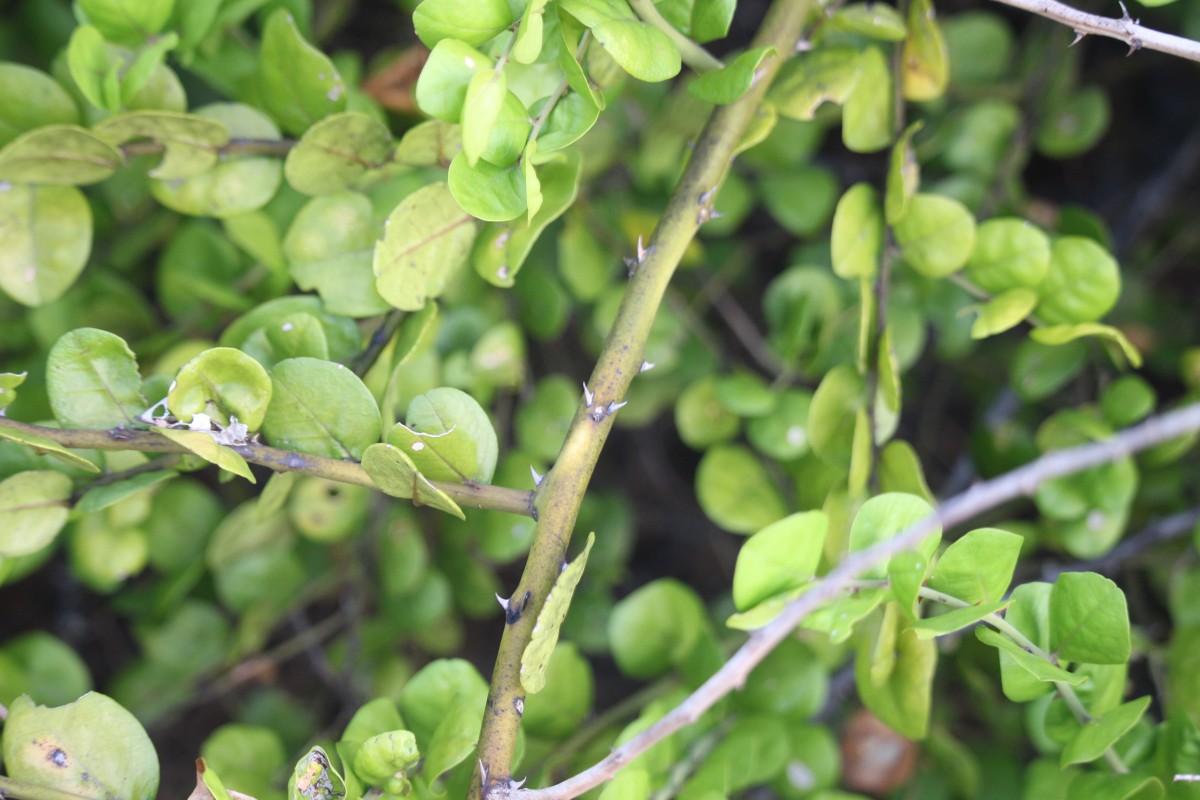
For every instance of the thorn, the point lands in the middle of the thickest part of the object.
(614, 407)
(537, 479)
(642, 252)
(705, 196)
(1135, 44)
(483, 773)
(514, 785)
(588, 397)
(1124, 12)
(646, 366)
(503, 603)
(1078, 38)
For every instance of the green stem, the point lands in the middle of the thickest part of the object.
(693, 54)
(475, 495)
(561, 492)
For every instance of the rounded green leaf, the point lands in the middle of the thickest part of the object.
(564, 703)
(128, 20)
(1100, 734)
(800, 199)
(543, 419)
(1082, 284)
(833, 412)
(925, 68)
(1073, 123)
(867, 117)
(59, 154)
(701, 419)
(980, 45)
(655, 628)
(471, 21)
(45, 240)
(246, 757)
(29, 99)
(321, 408)
(488, 192)
(642, 50)
(448, 436)
(395, 473)
(1063, 334)
(1089, 621)
(327, 511)
(1002, 312)
(790, 681)
(978, 567)
(893, 671)
(57, 675)
(426, 238)
(735, 490)
(510, 131)
(827, 74)
(441, 90)
(336, 152)
(330, 247)
(1008, 254)
(222, 383)
(783, 434)
(92, 747)
(35, 506)
(93, 381)
(1127, 400)
(782, 556)
(287, 327)
(936, 235)
(429, 694)
(300, 85)
(234, 186)
(886, 515)
(874, 20)
(857, 238)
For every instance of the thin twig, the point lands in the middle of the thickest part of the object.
(980, 498)
(1124, 28)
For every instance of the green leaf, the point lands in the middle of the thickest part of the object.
(488, 192)
(824, 75)
(396, 474)
(735, 491)
(782, 556)
(1088, 619)
(330, 247)
(1082, 283)
(43, 446)
(1039, 370)
(128, 20)
(92, 747)
(486, 94)
(955, 620)
(565, 702)
(655, 628)
(857, 238)
(29, 98)
(700, 418)
(900, 471)
(1061, 334)
(904, 175)
(383, 755)
(287, 327)
(235, 185)
(640, 49)
(425, 240)
(59, 154)
(528, 45)
(247, 756)
(1029, 613)
(93, 381)
(321, 408)
(1101, 786)
(1003, 312)
(838, 618)
(1127, 400)
(510, 133)
(335, 153)
(711, 19)
(57, 675)
(834, 412)
(873, 20)
(886, 515)
(434, 143)
(536, 656)
(223, 383)
(90, 67)
(936, 235)
(925, 67)
(437, 687)
(727, 84)
(99, 498)
(204, 445)
(1100, 734)
(1073, 123)
(783, 434)
(978, 567)
(300, 85)
(1039, 668)
(1008, 254)
(191, 143)
(441, 90)
(800, 199)
(448, 436)
(867, 117)
(45, 240)
(501, 249)
(314, 778)
(906, 574)
(35, 507)
(893, 670)
(453, 739)
(471, 21)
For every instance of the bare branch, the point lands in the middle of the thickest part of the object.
(1123, 28)
(978, 499)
